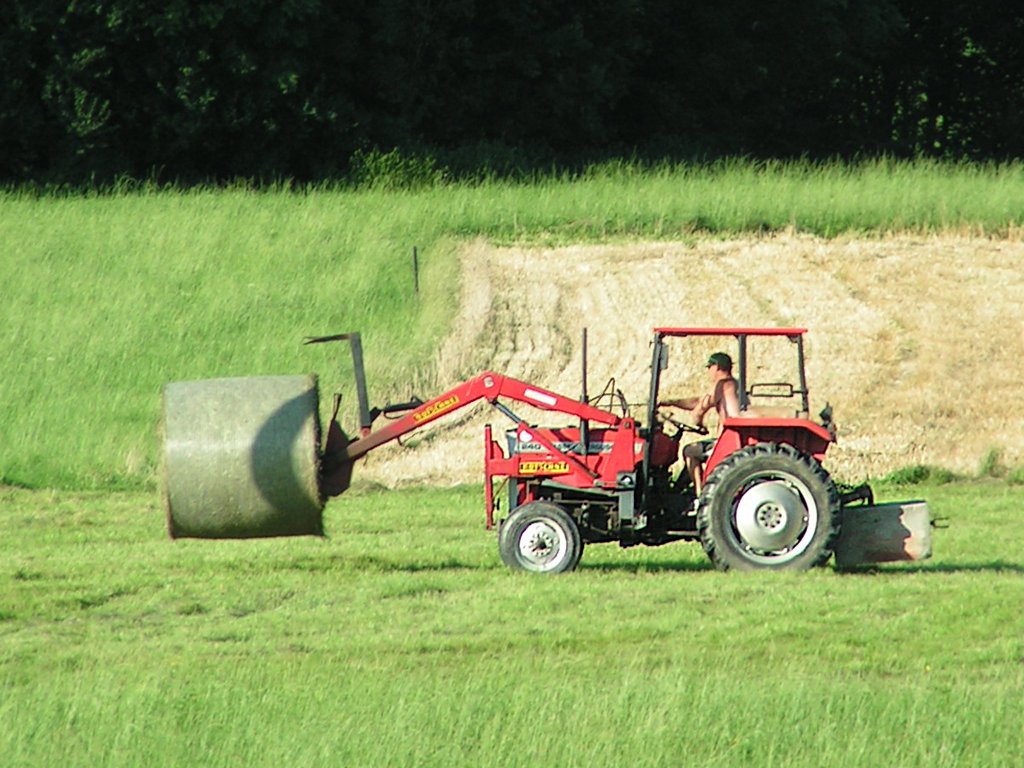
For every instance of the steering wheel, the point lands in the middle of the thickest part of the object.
(682, 426)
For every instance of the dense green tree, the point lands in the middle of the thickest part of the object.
(762, 76)
(214, 89)
(27, 132)
(951, 84)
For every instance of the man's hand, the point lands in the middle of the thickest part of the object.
(698, 418)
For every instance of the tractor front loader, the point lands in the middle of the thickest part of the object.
(243, 458)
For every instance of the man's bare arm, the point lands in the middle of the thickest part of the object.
(724, 399)
(686, 403)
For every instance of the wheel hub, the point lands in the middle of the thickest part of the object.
(771, 516)
(541, 544)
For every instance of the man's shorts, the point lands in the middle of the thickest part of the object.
(699, 449)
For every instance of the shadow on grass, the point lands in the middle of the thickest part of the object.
(996, 566)
(679, 566)
(346, 563)
(372, 563)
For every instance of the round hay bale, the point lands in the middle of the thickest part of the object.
(241, 457)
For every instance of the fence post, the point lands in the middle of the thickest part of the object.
(415, 271)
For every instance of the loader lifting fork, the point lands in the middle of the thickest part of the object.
(767, 501)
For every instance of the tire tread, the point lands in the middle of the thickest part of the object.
(831, 517)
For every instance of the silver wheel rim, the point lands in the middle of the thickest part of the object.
(774, 518)
(542, 546)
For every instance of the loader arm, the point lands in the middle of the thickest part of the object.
(487, 386)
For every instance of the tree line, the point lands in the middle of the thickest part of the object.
(205, 90)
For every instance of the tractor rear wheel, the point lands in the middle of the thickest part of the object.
(542, 537)
(769, 506)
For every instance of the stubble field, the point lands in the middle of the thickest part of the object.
(402, 640)
(917, 342)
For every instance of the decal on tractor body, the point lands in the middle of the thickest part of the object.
(543, 467)
(436, 409)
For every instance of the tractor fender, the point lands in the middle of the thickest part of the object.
(738, 433)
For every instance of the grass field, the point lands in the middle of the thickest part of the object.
(108, 297)
(401, 640)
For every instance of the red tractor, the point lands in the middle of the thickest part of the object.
(603, 475)
(767, 501)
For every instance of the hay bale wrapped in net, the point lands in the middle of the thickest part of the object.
(241, 457)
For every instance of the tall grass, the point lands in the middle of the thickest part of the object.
(401, 640)
(737, 196)
(108, 296)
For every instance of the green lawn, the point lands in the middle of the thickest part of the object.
(400, 640)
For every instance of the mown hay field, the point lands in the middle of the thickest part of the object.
(917, 342)
(401, 640)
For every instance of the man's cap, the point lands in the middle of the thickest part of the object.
(720, 359)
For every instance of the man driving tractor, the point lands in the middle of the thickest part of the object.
(723, 398)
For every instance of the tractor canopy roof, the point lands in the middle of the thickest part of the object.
(731, 331)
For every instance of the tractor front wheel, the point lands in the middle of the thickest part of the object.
(769, 506)
(541, 537)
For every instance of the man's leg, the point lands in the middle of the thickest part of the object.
(695, 473)
(694, 455)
